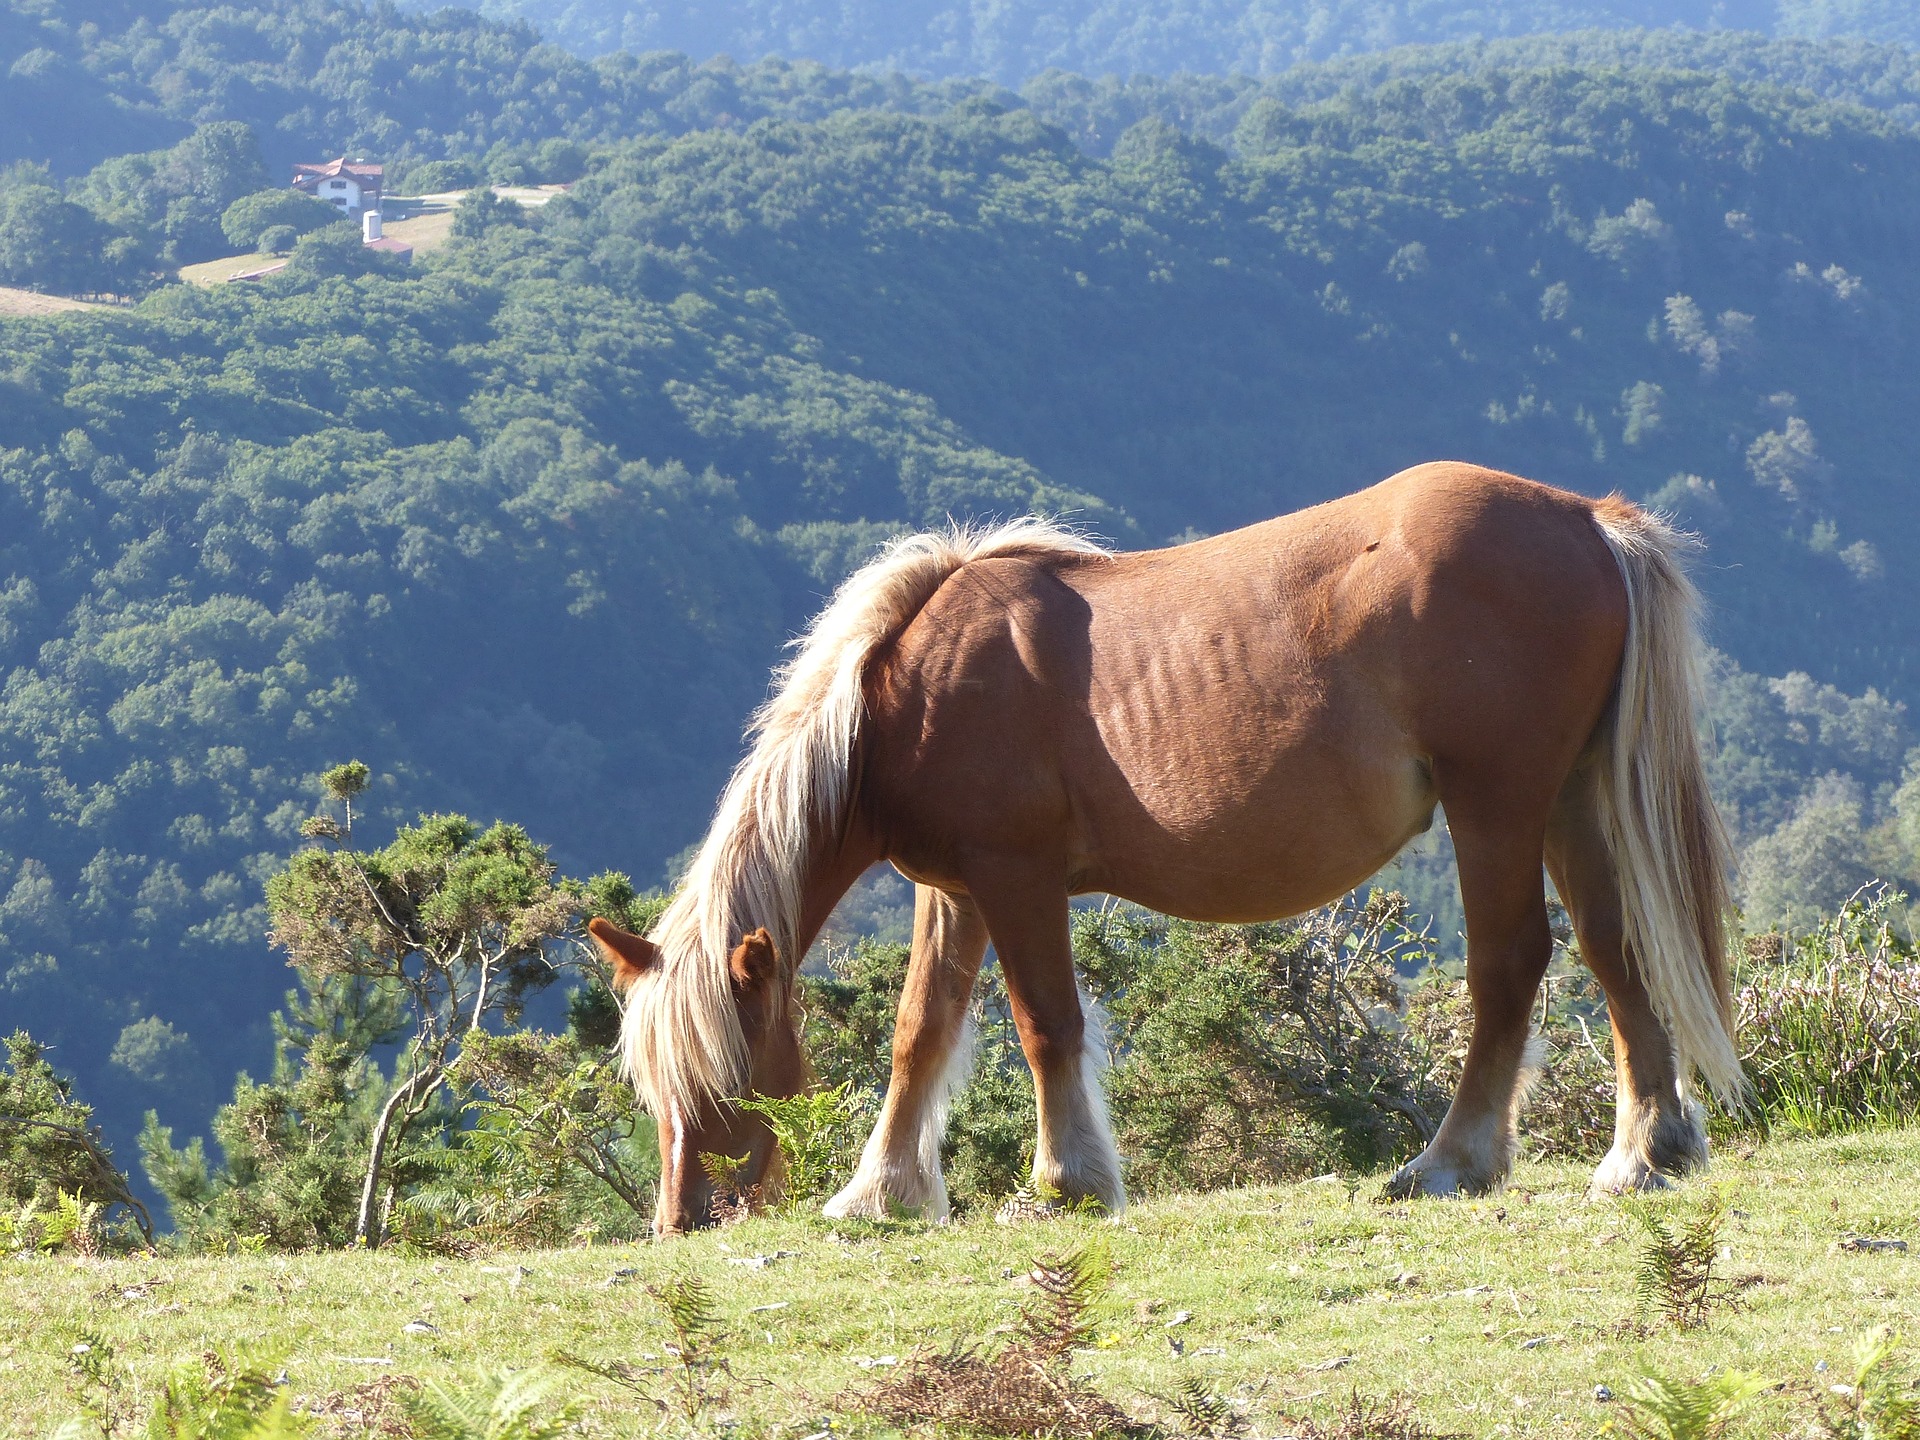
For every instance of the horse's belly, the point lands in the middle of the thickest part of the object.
(1257, 838)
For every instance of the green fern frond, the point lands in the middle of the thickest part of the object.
(1657, 1407)
(497, 1405)
(224, 1398)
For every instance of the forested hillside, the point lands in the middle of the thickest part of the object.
(524, 525)
(1012, 42)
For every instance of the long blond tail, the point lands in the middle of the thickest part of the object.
(1669, 847)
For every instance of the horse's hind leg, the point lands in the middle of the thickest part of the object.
(900, 1166)
(1074, 1155)
(1656, 1131)
(1508, 945)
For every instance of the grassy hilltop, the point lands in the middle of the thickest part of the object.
(1492, 1317)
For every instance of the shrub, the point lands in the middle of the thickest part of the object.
(246, 219)
(276, 239)
(57, 1177)
(1829, 1021)
(436, 177)
(557, 1150)
(1241, 1053)
(1253, 1053)
(1568, 1109)
(480, 210)
(849, 1039)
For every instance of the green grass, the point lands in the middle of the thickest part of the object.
(1498, 1317)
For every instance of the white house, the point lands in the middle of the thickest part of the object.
(350, 186)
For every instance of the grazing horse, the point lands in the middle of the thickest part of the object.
(1231, 730)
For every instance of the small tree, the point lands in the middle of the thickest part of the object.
(462, 922)
(49, 1146)
(294, 1144)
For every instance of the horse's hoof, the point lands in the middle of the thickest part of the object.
(875, 1200)
(1438, 1181)
(1410, 1182)
(857, 1202)
(1625, 1173)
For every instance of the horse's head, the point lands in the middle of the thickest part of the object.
(690, 1129)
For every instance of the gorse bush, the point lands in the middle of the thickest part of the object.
(1252, 1053)
(1568, 1109)
(1829, 1020)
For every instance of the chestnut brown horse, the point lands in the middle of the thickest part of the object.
(1236, 729)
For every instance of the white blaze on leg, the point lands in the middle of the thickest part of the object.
(900, 1165)
(1075, 1152)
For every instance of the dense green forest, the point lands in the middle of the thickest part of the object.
(525, 524)
(1012, 42)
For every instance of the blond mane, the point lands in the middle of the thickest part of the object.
(681, 1041)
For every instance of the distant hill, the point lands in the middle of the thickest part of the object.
(1014, 41)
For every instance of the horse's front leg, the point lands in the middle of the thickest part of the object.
(900, 1167)
(1509, 944)
(1074, 1155)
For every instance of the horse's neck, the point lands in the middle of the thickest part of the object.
(839, 863)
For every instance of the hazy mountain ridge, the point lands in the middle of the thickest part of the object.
(1013, 42)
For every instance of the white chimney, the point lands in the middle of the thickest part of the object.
(370, 226)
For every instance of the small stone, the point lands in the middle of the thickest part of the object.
(1602, 1394)
(1819, 1367)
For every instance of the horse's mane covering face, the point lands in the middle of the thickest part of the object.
(681, 1041)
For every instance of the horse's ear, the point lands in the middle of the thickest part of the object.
(630, 955)
(753, 962)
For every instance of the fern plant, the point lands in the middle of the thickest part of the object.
(1655, 1407)
(818, 1134)
(494, 1405)
(1674, 1277)
(1067, 1288)
(225, 1399)
(101, 1383)
(1881, 1404)
(1202, 1413)
(688, 1303)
